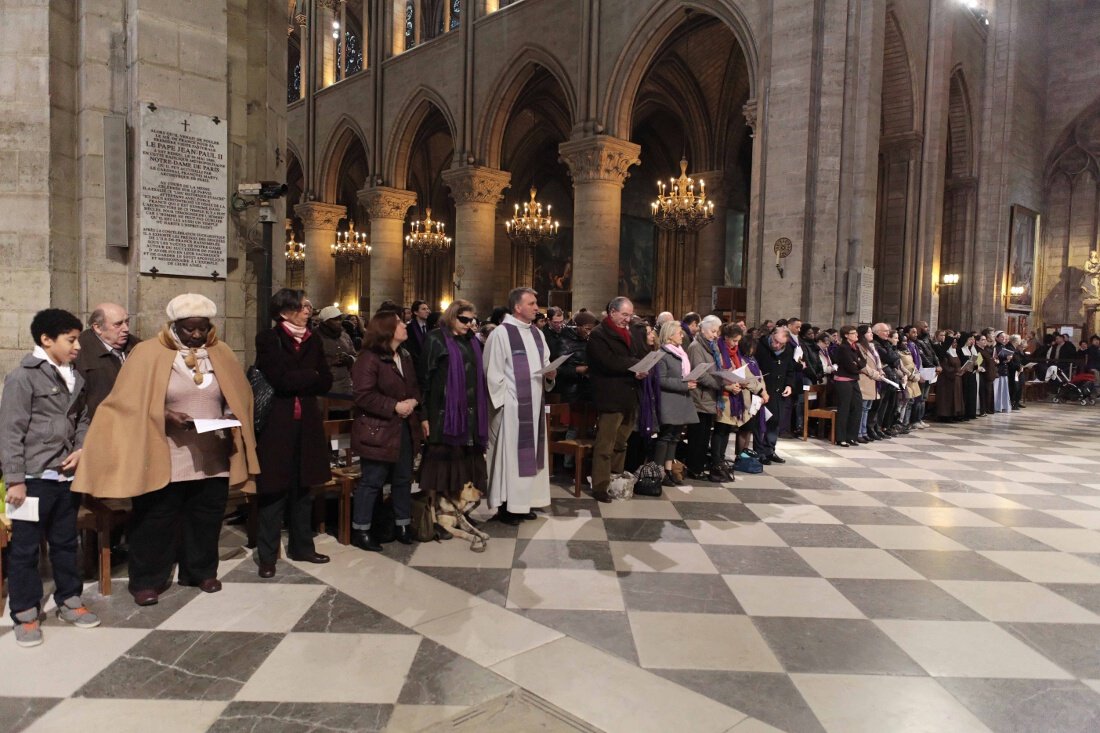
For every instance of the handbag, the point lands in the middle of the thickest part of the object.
(263, 397)
(747, 464)
(650, 475)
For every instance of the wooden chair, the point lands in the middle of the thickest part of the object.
(342, 484)
(328, 404)
(559, 417)
(815, 405)
(100, 517)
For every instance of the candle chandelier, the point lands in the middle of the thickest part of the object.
(531, 227)
(681, 209)
(427, 237)
(295, 251)
(351, 245)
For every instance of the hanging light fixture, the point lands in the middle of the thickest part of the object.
(680, 208)
(295, 251)
(427, 237)
(531, 227)
(350, 245)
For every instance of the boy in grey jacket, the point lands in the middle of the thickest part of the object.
(43, 420)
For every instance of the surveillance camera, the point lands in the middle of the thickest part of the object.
(271, 190)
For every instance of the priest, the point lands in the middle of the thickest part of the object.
(519, 465)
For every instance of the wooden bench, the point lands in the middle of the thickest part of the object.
(559, 418)
(815, 405)
(342, 484)
(100, 517)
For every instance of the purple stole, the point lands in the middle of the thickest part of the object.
(532, 457)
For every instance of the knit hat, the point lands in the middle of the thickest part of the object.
(329, 312)
(190, 305)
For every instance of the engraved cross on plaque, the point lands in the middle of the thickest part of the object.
(184, 123)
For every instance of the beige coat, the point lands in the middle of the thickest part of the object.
(126, 450)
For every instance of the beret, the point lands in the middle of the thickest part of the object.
(190, 305)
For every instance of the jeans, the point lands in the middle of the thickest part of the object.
(374, 476)
(770, 437)
(57, 508)
(863, 417)
(613, 430)
(192, 510)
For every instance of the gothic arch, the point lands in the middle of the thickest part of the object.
(959, 204)
(508, 87)
(413, 113)
(647, 42)
(898, 116)
(345, 133)
(960, 127)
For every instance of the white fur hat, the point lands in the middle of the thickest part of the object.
(190, 305)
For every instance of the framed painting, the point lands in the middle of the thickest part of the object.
(1022, 249)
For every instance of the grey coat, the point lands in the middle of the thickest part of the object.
(676, 406)
(705, 396)
(41, 422)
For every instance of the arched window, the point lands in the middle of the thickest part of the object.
(293, 70)
(349, 47)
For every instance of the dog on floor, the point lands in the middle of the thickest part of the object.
(451, 516)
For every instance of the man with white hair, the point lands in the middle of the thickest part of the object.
(104, 346)
(662, 318)
(775, 355)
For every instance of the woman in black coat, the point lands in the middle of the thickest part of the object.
(849, 402)
(388, 430)
(292, 449)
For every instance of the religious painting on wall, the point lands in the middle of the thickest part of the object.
(1022, 243)
(553, 264)
(636, 238)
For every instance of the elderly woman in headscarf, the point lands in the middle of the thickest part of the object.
(145, 444)
(949, 388)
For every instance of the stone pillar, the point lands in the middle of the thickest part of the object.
(476, 191)
(320, 221)
(386, 208)
(710, 248)
(599, 165)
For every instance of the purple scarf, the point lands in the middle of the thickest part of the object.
(915, 353)
(455, 428)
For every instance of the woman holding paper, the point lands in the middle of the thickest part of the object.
(292, 446)
(676, 410)
(972, 361)
(711, 399)
(741, 413)
(949, 396)
(145, 444)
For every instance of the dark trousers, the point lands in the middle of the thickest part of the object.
(769, 437)
(613, 431)
(295, 506)
(887, 408)
(57, 523)
(849, 405)
(187, 511)
(1014, 387)
(374, 477)
(698, 436)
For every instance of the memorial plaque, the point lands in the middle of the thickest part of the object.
(183, 164)
(866, 295)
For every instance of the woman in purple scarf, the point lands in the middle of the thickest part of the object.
(456, 404)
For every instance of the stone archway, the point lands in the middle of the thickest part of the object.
(431, 152)
(959, 206)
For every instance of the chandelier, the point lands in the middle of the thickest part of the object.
(427, 237)
(350, 245)
(295, 251)
(531, 228)
(681, 209)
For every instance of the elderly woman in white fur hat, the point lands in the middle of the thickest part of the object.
(143, 445)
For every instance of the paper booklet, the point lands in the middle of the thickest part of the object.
(698, 371)
(646, 363)
(27, 511)
(552, 366)
(740, 375)
(929, 375)
(209, 426)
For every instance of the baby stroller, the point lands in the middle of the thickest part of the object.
(1062, 389)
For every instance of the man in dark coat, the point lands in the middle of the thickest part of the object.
(104, 346)
(555, 325)
(775, 355)
(613, 348)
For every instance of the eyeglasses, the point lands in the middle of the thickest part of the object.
(465, 320)
(307, 306)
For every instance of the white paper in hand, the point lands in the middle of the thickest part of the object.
(553, 365)
(646, 364)
(27, 511)
(209, 426)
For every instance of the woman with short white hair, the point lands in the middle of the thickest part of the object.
(676, 408)
(706, 436)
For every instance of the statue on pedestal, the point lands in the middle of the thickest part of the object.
(1091, 285)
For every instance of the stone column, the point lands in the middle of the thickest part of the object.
(710, 248)
(599, 165)
(320, 222)
(476, 191)
(386, 208)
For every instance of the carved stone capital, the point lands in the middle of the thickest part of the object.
(474, 184)
(749, 110)
(319, 215)
(599, 158)
(383, 202)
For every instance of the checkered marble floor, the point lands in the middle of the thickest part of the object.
(944, 581)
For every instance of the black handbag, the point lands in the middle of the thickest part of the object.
(650, 475)
(263, 396)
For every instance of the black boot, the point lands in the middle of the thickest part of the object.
(361, 538)
(404, 534)
(668, 480)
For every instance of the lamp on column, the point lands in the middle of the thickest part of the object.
(531, 228)
(350, 246)
(948, 280)
(427, 237)
(680, 208)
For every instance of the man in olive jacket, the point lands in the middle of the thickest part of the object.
(613, 348)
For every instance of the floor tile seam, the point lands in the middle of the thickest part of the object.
(476, 601)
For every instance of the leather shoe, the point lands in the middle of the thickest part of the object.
(508, 518)
(863, 439)
(527, 516)
(266, 570)
(150, 596)
(361, 538)
(315, 558)
(210, 585)
(404, 534)
(777, 459)
(602, 496)
(765, 461)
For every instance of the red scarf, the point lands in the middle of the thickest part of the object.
(624, 333)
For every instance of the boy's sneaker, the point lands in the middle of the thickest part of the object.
(74, 612)
(27, 630)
